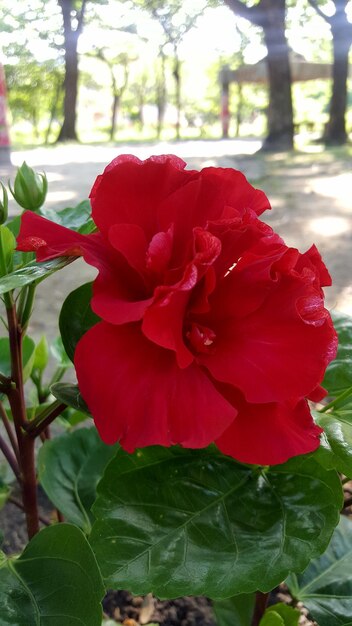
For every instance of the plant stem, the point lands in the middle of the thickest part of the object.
(339, 401)
(10, 433)
(44, 419)
(25, 444)
(261, 600)
(11, 459)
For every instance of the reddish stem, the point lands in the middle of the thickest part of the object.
(42, 422)
(9, 456)
(15, 502)
(261, 600)
(10, 433)
(25, 443)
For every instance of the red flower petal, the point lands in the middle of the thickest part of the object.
(263, 351)
(47, 239)
(130, 191)
(139, 396)
(268, 434)
(129, 239)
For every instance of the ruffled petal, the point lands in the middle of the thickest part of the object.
(139, 396)
(276, 346)
(269, 434)
(130, 191)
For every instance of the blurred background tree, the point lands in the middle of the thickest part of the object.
(341, 31)
(136, 69)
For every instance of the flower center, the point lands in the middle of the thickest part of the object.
(199, 338)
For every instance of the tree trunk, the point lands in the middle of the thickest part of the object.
(177, 77)
(239, 110)
(280, 110)
(335, 133)
(53, 110)
(161, 95)
(68, 129)
(114, 112)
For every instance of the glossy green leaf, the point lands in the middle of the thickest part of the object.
(76, 218)
(28, 350)
(70, 395)
(280, 614)
(76, 317)
(70, 467)
(325, 587)
(55, 582)
(176, 522)
(235, 611)
(7, 246)
(41, 354)
(335, 451)
(338, 374)
(32, 272)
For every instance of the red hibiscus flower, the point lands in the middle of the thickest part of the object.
(212, 330)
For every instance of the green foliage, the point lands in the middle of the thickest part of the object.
(30, 188)
(338, 375)
(28, 352)
(70, 467)
(32, 272)
(280, 615)
(235, 611)
(174, 522)
(76, 218)
(7, 246)
(335, 451)
(70, 395)
(325, 587)
(41, 355)
(55, 581)
(59, 353)
(76, 317)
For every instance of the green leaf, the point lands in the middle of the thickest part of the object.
(235, 611)
(325, 587)
(41, 354)
(55, 582)
(59, 353)
(28, 350)
(70, 418)
(76, 218)
(7, 246)
(288, 615)
(272, 619)
(14, 225)
(338, 374)
(70, 395)
(176, 522)
(335, 451)
(70, 467)
(76, 317)
(32, 272)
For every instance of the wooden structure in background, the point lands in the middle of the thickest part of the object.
(301, 70)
